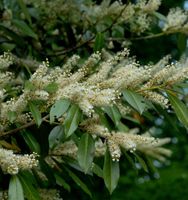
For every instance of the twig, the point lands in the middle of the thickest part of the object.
(32, 123)
(89, 40)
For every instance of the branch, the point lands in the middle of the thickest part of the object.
(32, 123)
(89, 40)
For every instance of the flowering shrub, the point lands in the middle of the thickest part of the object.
(77, 112)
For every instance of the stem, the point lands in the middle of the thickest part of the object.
(32, 123)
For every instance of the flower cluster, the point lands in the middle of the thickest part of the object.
(11, 163)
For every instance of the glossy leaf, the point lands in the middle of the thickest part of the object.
(55, 136)
(35, 113)
(86, 150)
(31, 141)
(135, 100)
(72, 120)
(15, 190)
(113, 113)
(58, 109)
(28, 182)
(111, 172)
(180, 109)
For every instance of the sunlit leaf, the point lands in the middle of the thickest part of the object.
(58, 109)
(15, 190)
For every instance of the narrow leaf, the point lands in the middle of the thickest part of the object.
(135, 100)
(61, 182)
(180, 109)
(78, 182)
(35, 113)
(15, 190)
(72, 120)
(110, 172)
(99, 42)
(86, 148)
(97, 170)
(31, 141)
(113, 113)
(24, 28)
(142, 162)
(25, 11)
(58, 109)
(55, 136)
(27, 182)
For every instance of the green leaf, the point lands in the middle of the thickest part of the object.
(51, 88)
(110, 172)
(72, 120)
(24, 28)
(113, 113)
(160, 16)
(180, 109)
(78, 181)
(11, 34)
(12, 116)
(35, 113)
(97, 170)
(29, 86)
(55, 136)
(181, 42)
(142, 162)
(135, 100)
(61, 182)
(15, 190)
(129, 158)
(86, 149)
(99, 42)
(31, 141)
(122, 127)
(58, 109)
(24, 10)
(27, 182)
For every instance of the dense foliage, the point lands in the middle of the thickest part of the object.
(89, 89)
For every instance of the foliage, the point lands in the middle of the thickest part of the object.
(76, 119)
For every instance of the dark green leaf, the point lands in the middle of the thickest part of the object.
(72, 120)
(15, 37)
(135, 100)
(180, 109)
(31, 141)
(97, 170)
(61, 182)
(15, 190)
(113, 113)
(78, 182)
(30, 190)
(35, 113)
(181, 42)
(24, 28)
(142, 162)
(55, 136)
(86, 149)
(110, 172)
(25, 11)
(99, 42)
(160, 16)
(58, 109)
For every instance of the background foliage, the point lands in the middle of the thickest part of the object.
(34, 33)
